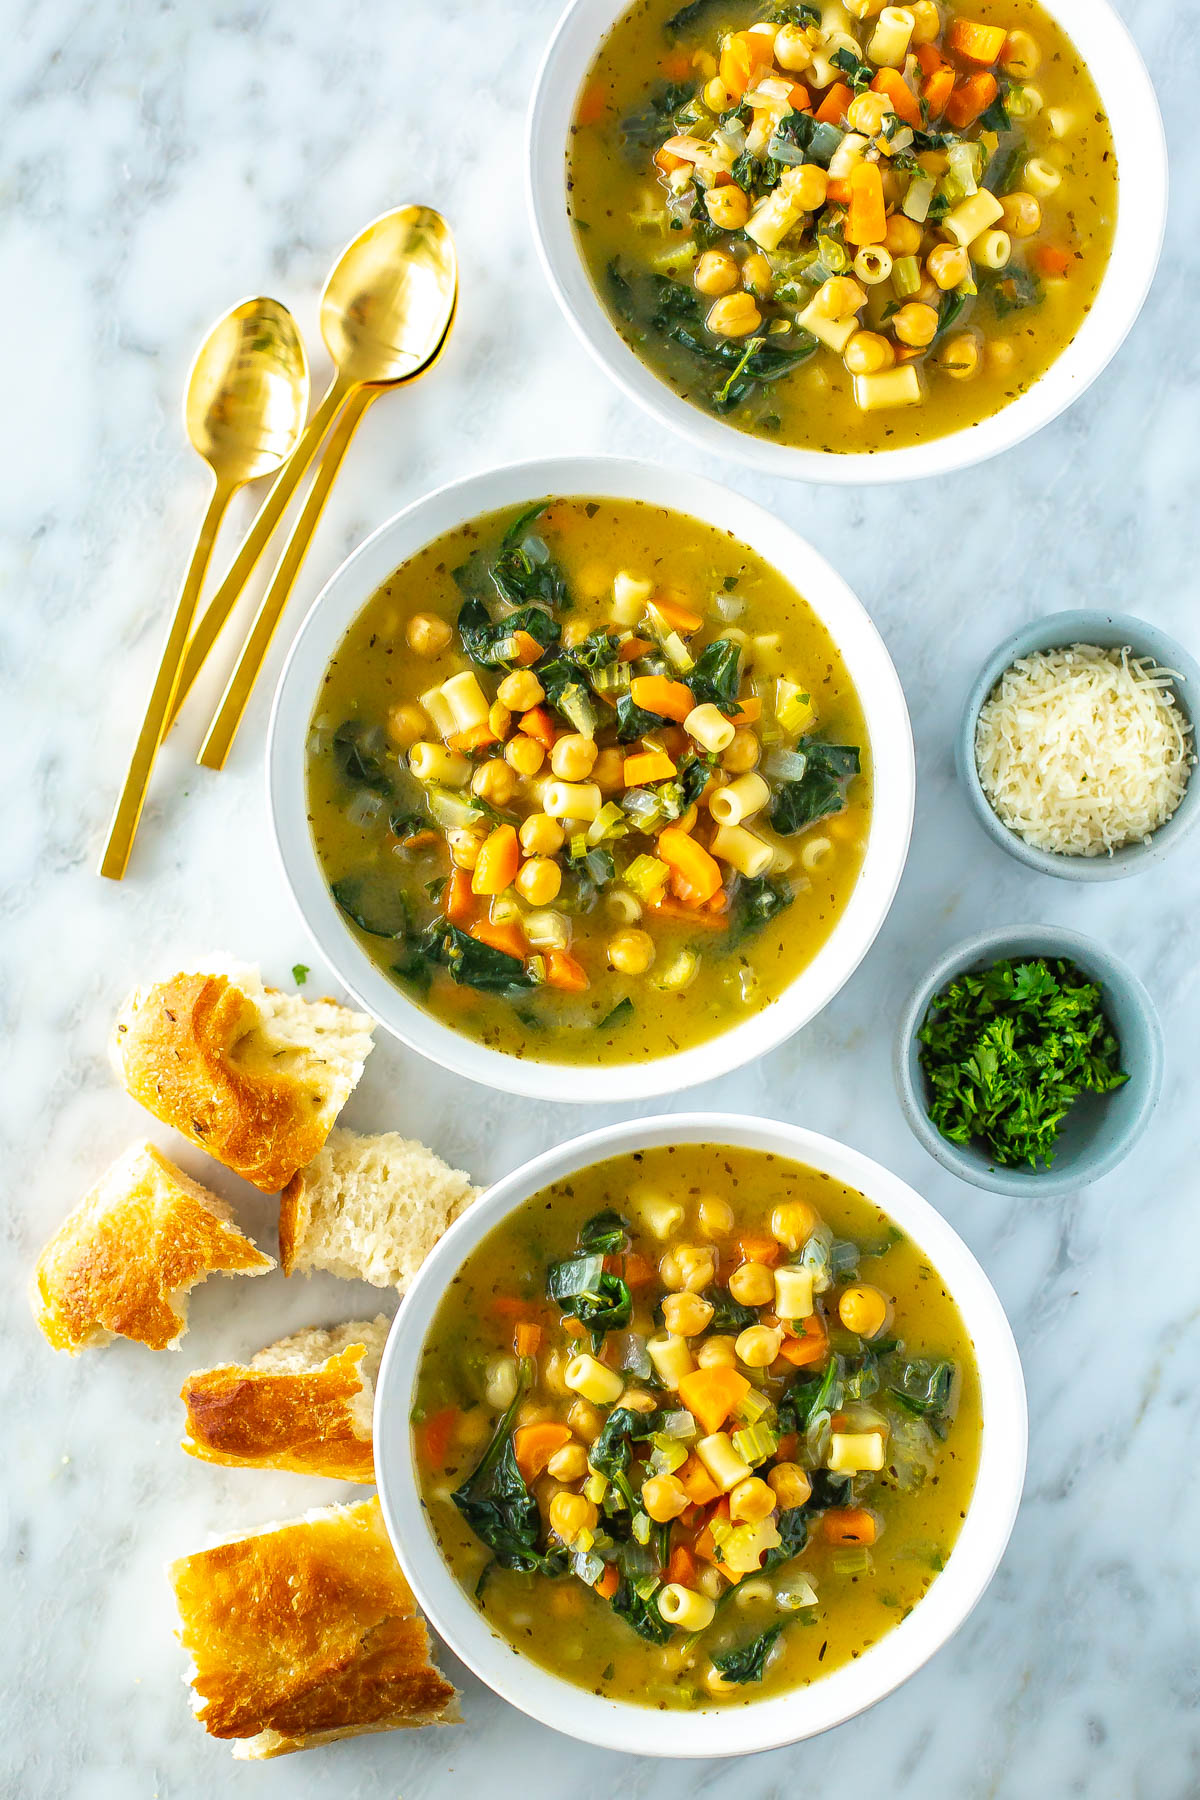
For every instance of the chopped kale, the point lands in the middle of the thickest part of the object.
(717, 675)
(756, 902)
(472, 964)
(820, 791)
(748, 1661)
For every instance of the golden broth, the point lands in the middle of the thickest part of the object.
(374, 672)
(575, 1632)
(618, 203)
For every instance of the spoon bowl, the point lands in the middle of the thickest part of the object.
(389, 297)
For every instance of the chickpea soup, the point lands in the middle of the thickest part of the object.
(696, 1425)
(852, 227)
(589, 780)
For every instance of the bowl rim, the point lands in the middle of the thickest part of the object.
(797, 1714)
(1132, 109)
(853, 631)
(989, 946)
(1055, 631)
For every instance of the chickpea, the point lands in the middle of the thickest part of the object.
(639, 1401)
(807, 186)
(1022, 214)
(752, 1284)
(568, 1464)
(867, 353)
(793, 1223)
(534, 1413)
(716, 273)
(464, 848)
(494, 782)
(500, 1382)
(915, 324)
(790, 1485)
(929, 293)
(524, 754)
(752, 1500)
(406, 726)
(758, 1346)
(867, 112)
(539, 880)
(573, 756)
(684, 1315)
(697, 1266)
(608, 770)
(1000, 354)
(959, 357)
(663, 1497)
(734, 316)
(839, 297)
(863, 1310)
(586, 1421)
(1021, 56)
(570, 1514)
(541, 835)
(427, 635)
(574, 632)
(927, 23)
(742, 754)
(727, 206)
(520, 690)
(903, 236)
(758, 274)
(717, 1353)
(715, 1216)
(793, 51)
(948, 265)
(632, 952)
(554, 1371)
(716, 95)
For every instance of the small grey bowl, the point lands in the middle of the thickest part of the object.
(1101, 1129)
(1110, 631)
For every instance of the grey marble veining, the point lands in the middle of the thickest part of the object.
(158, 162)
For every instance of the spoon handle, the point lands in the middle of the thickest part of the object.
(128, 811)
(209, 626)
(223, 729)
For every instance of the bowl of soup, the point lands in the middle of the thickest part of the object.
(847, 242)
(698, 1435)
(592, 780)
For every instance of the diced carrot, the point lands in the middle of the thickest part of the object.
(741, 55)
(668, 162)
(632, 648)
(677, 66)
(563, 972)
(591, 108)
(476, 737)
(573, 1328)
(904, 102)
(711, 1394)
(681, 1566)
(508, 1306)
(670, 908)
(638, 1270)
(971, 97)
(534, 1445)
(538, 724)
(787, 1446)
(758, 1248)
(696, 1482)
(799, 98)
(930, 59)
(692, 868)
(812, 1346)
(866, 222)
(508, 939)
(748, 713)
(719, 902)
(457, 898)
(527, 1338)
(608, 1581)
(975, 43)
(833, 107)
(527, 648)
(679, 617)
(647, 765)
(1053, 261)
(420, 840)
(848, 1525)
(656, 694)
(838, 191)
(499, 860)
(435, 1435)
(937, 91)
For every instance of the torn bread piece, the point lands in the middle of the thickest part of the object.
(122, 1263)
(253, 1076)
(369, 1209)
(303, 1404)
(304, 1632)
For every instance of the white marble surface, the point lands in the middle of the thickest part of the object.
(158, 162)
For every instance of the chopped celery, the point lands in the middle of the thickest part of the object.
(609, 822)
(917, 201)
(535, 968)
(613, 678)
(646, 875)
(853, 1561)
(577, 705)
(577, 849)
(641, 1527)
(785, 765)
(794, 710)
(959, 180)
(753, 1407)
(451, 811)
(669, 642)
(680, 972)
(595, 1487)
(755, 1444)
(906, 275)
(587, 1566)
(643, 807)
(833, 255)
(667, 1456)
(583, 1540)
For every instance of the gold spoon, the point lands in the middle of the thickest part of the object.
(223, 729)
(247, 395)
(385, 302)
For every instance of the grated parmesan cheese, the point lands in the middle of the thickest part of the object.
(1083, 750)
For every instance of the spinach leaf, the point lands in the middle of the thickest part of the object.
(610, 1454)
(748, 1661)
(921, 1387)
(360, 752)
(641, 1613)
(691, 779)
(1010, 289)
(606, 1232)
(498, 1506)
(819, 792)
(654, 119)
(999, 173)
(689, 16)
(859, 74)
(996, 117)
(828, 1490)
(764, 359)
(527, 572)
(792, 1526)
(375, 904)
(485, 639)
(799, 138)
(717, 674)
(581, 1288)
(412, 966)
(633, 721)
(472, 964)
(809, 1396)
(729, 1315)
(621, 1014)
(795, 15)
(756, 902)
(952, 306)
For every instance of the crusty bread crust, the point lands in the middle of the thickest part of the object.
(307, 1632)
(311, 1418)
(203, 1053)
(122, 1263)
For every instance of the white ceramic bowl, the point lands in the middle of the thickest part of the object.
(711, 1731)
(870, 669)
(1129, 100)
